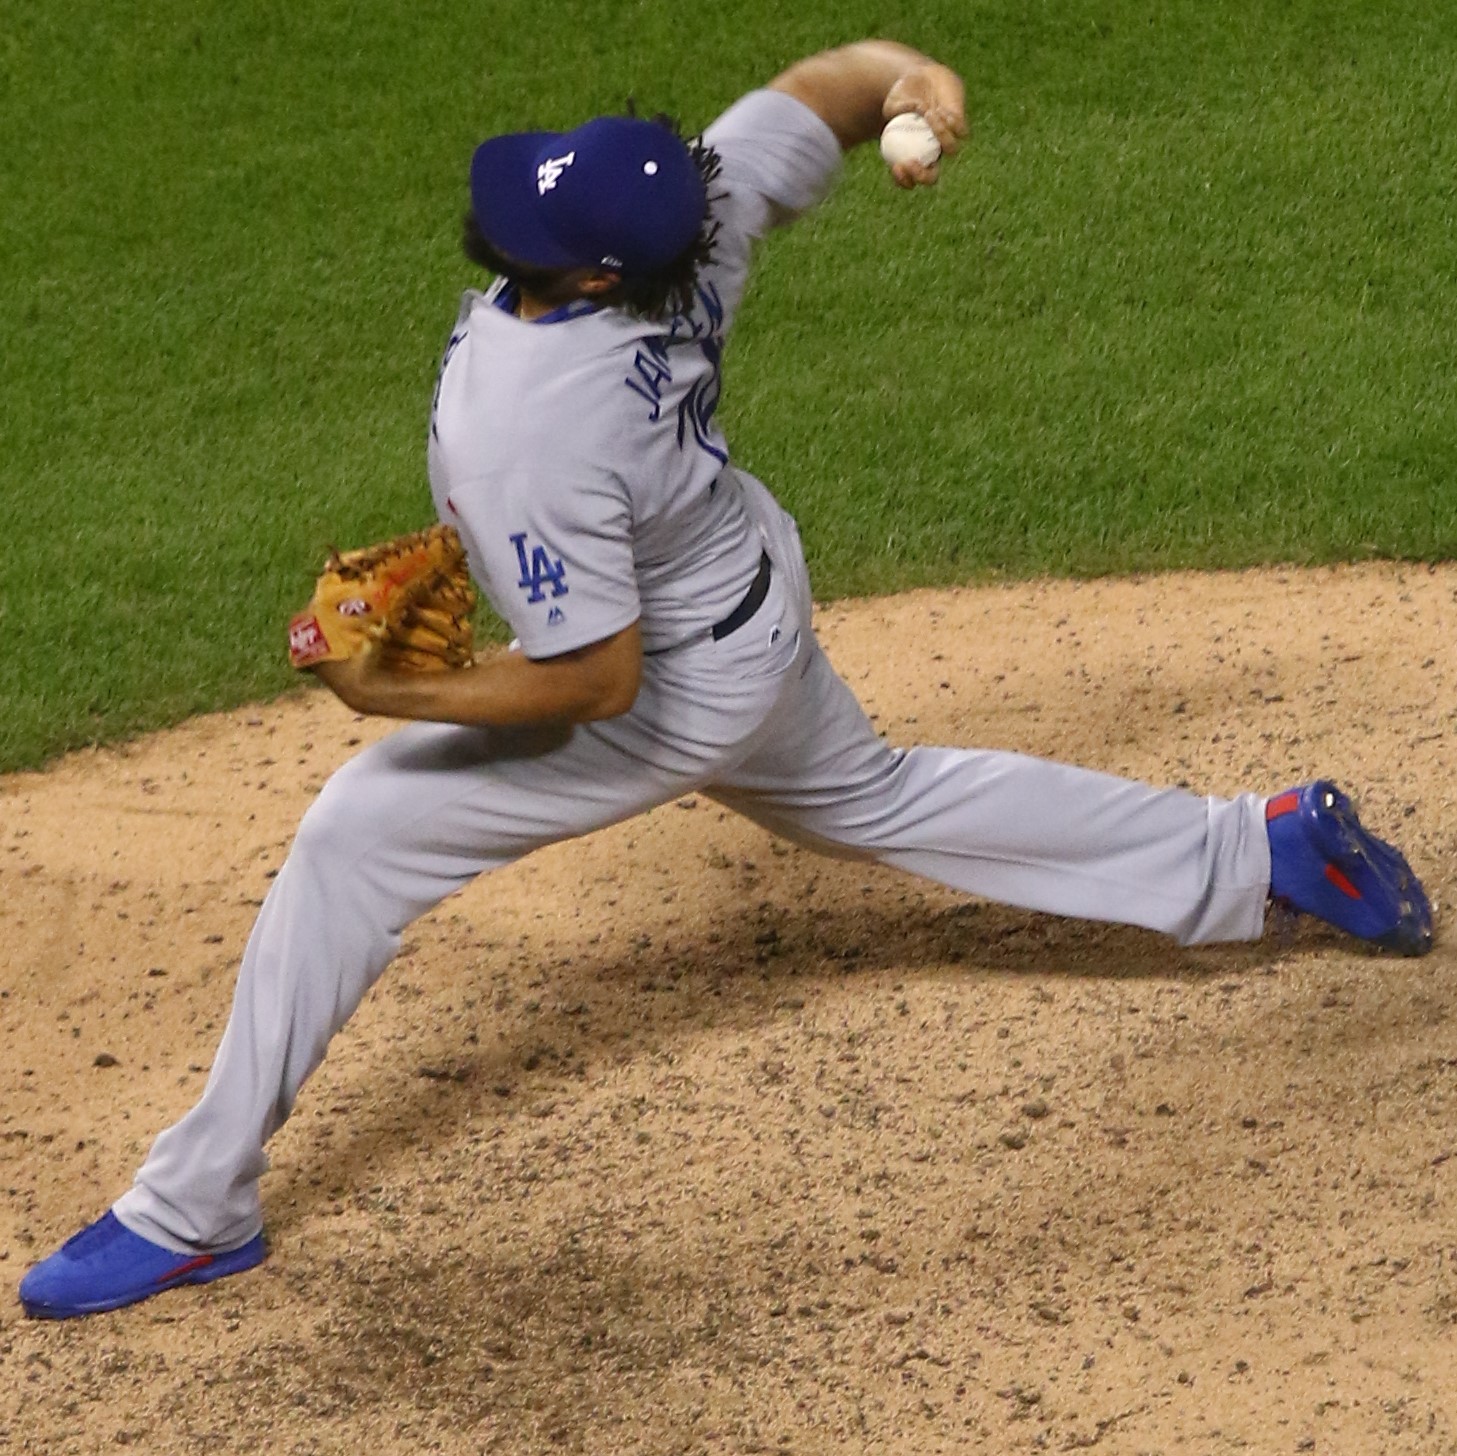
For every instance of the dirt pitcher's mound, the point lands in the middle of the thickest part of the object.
(679, 1139)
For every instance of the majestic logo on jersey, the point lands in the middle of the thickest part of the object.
(555, 617)
(550, 172)
(539, 571)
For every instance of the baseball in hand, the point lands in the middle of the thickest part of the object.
(909, 138)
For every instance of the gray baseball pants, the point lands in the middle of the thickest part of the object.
(759, 721)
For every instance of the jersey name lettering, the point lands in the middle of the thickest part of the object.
(652, 371)
(539, 571)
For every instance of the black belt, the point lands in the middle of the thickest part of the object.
(753, 600)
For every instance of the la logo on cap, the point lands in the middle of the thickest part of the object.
(550, 172)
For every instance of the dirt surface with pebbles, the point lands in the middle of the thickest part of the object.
(679, 1139)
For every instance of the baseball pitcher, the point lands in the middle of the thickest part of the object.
(664, 645)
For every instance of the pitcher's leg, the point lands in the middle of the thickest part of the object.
(396, 830)
(367, 859)
(1022, 831)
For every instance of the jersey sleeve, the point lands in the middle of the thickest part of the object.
(555, 559)
(779, 157)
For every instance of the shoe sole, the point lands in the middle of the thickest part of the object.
(217, 1266)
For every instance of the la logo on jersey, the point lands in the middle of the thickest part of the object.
(550, 172)
(539, 571)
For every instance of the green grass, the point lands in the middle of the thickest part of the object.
(1187, 300)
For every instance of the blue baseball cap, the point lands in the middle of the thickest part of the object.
(618, 193)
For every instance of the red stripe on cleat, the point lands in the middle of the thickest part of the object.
(1282, 804)
(1341, 882)
(201, 1262)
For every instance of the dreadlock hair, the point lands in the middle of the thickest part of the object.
(659, 295)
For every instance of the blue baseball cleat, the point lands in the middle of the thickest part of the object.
(1323, 863)
(107, 1266)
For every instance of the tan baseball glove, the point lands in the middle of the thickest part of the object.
(408, 599)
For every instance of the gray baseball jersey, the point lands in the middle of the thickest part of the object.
(580, 456)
